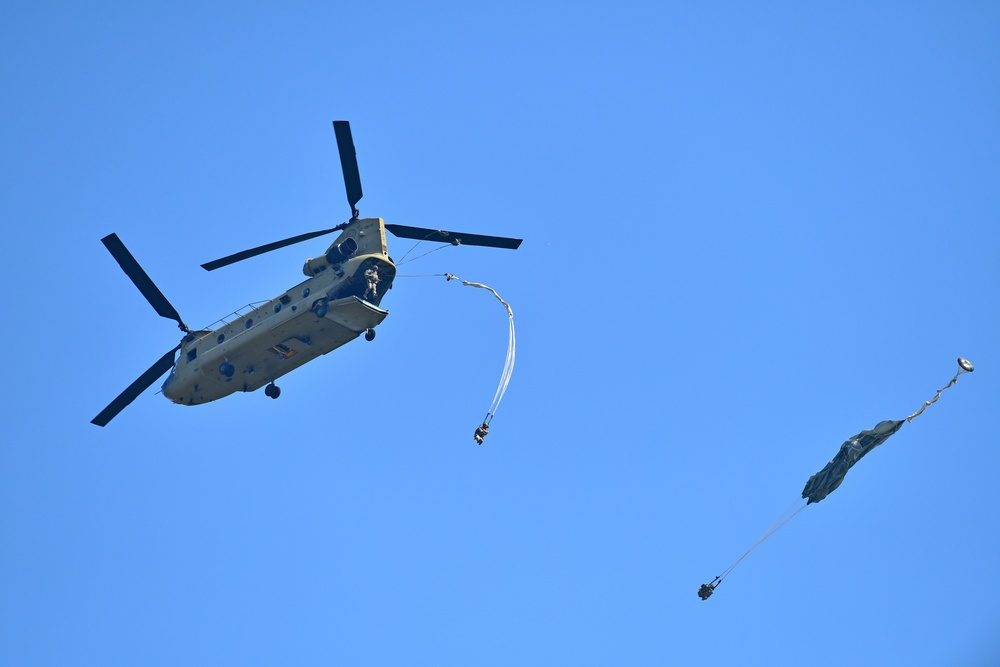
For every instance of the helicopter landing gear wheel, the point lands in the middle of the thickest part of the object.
(370, 335)
(272, 390)
(320, 308)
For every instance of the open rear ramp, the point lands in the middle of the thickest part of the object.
(355, 314)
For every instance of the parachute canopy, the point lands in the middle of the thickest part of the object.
(829, 478)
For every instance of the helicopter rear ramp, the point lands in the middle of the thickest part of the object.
(355, 314)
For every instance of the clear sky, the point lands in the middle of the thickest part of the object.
(751, 231)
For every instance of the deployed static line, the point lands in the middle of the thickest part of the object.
(827, 480)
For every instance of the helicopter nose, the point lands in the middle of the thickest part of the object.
(165, 387)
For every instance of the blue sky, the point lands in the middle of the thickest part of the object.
(750, 233)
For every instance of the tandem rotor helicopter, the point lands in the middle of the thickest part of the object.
(337, 302)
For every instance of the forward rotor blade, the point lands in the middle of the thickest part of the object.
(260, 250)
(141, 279)
(141, 384)
(455, 238)
(348, 163)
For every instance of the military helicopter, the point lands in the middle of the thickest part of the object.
(338, 301)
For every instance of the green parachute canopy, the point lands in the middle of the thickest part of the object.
(829, 478)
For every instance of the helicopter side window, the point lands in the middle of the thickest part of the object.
(249, 323)
(192, 354)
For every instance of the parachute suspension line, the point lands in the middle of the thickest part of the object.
(508, 366)
(964, 366)
(508, 369)
(787, 516)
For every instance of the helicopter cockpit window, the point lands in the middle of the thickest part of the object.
(192, 354)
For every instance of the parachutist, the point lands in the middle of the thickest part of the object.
(481, 431)
(827, 480)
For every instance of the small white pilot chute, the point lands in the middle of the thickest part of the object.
(508, 367)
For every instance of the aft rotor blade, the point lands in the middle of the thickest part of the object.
(141, 384)
(348, 163)
(141, 279)
(260, 250)
(456, 238)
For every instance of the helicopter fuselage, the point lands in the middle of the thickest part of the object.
(336, 303)
(252, 347)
